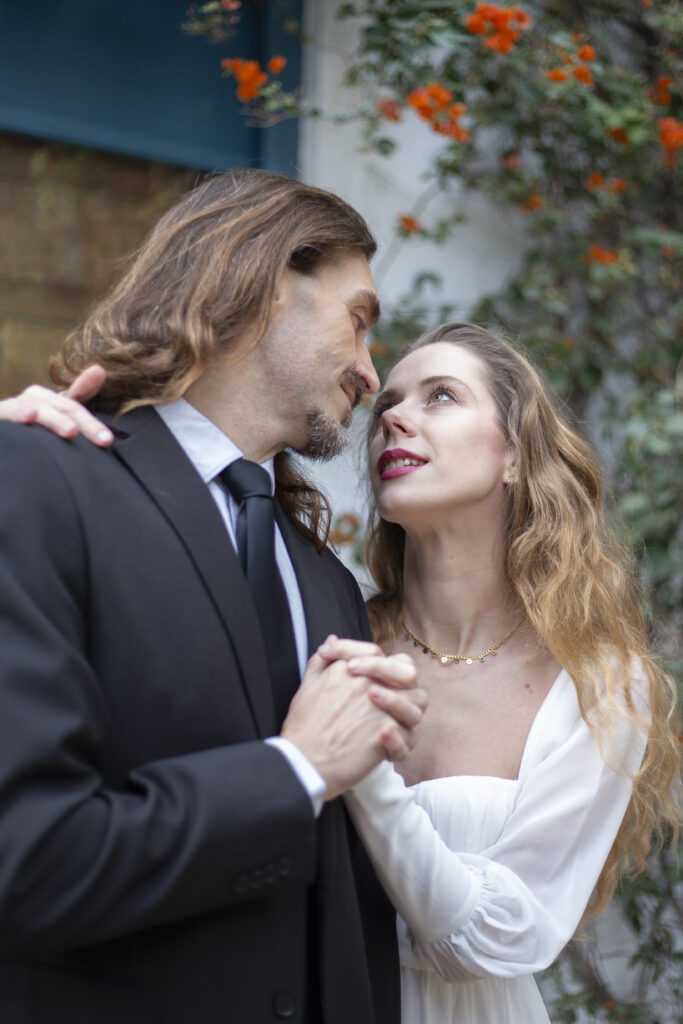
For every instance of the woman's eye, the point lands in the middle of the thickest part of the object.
(441, 395)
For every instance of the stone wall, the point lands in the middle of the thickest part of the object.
(68, 218)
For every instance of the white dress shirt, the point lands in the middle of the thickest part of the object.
(211, 451)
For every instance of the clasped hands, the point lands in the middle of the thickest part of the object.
(355, 707)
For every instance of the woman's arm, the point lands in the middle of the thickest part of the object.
(508, 909)
(61, 412)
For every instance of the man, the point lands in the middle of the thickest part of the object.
(165, 855)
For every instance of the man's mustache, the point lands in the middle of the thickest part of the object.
(355, 384)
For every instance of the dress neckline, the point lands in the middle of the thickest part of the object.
(548, 700)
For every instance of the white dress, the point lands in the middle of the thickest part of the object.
(491, 876)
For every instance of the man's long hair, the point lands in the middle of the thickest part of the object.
(574, 581)
(203, 280)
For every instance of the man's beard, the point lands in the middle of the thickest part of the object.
(328, 437)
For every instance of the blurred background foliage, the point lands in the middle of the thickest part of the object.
(567, 112)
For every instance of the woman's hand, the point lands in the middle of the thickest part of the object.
(393, 678)
(61, 412)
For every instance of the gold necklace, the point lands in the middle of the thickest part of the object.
(449, 659)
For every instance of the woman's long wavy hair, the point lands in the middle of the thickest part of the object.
(203, 280)
(575, 583)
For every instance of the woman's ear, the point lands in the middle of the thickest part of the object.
(510, 475)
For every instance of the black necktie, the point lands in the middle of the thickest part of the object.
(250, 486)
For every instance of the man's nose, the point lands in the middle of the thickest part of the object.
(366, 370)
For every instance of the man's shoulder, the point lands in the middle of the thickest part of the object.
(38, 441)
(36, 461)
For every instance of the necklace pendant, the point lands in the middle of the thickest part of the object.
(444, 661)
(469, 661)
(482, 658)
(493, 654)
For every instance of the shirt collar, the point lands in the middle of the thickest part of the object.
(209, 450)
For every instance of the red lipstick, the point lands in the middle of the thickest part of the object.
(387, 471)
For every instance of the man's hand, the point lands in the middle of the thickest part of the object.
(351, 712)
(61, 412)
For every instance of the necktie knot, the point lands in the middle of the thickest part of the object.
(246, 479)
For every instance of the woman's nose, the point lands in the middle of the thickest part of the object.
(396, 421)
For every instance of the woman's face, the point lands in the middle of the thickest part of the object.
(438, 446)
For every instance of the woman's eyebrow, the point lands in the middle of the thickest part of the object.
(366, 298)
(445, 378)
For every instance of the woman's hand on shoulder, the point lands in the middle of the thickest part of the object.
(61, 412)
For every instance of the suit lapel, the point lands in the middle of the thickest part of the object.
(317, 596)
(149, 450)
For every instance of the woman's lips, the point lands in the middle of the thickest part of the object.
(398, 462)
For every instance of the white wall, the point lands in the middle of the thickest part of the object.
(331, 156)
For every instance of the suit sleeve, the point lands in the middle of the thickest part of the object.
(81, 863)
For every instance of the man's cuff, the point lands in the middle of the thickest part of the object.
(308, 776)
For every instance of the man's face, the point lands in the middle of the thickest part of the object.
(315, 354)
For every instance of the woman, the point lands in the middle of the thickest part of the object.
(548, 753)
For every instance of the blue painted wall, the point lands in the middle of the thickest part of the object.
(120, 75)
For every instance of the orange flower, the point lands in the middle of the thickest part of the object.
(662, 93)
(231, 5)
(668, 252)
(556, 75)
(450, 126)
(453, 130)
(597, 254)
(430, 99)
(616, 185)
(501, 42)
(618, 134)
(511, 161)
(346, 528)
(475, 24)
(586, 53)
(521, 17)
(440, 95)
(671, 138)
(389, 109)
(409, 224)
(276, 64)
(496, 24)
(595, 179)
(227, 63)
(532, 202)
(249, 90)
(583, 74)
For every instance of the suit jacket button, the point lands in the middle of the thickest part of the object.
(241, 885)
(284, 867)
(285, 1005)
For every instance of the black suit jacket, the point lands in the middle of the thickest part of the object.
(155, 854)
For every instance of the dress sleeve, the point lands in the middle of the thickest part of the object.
(509, 909)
